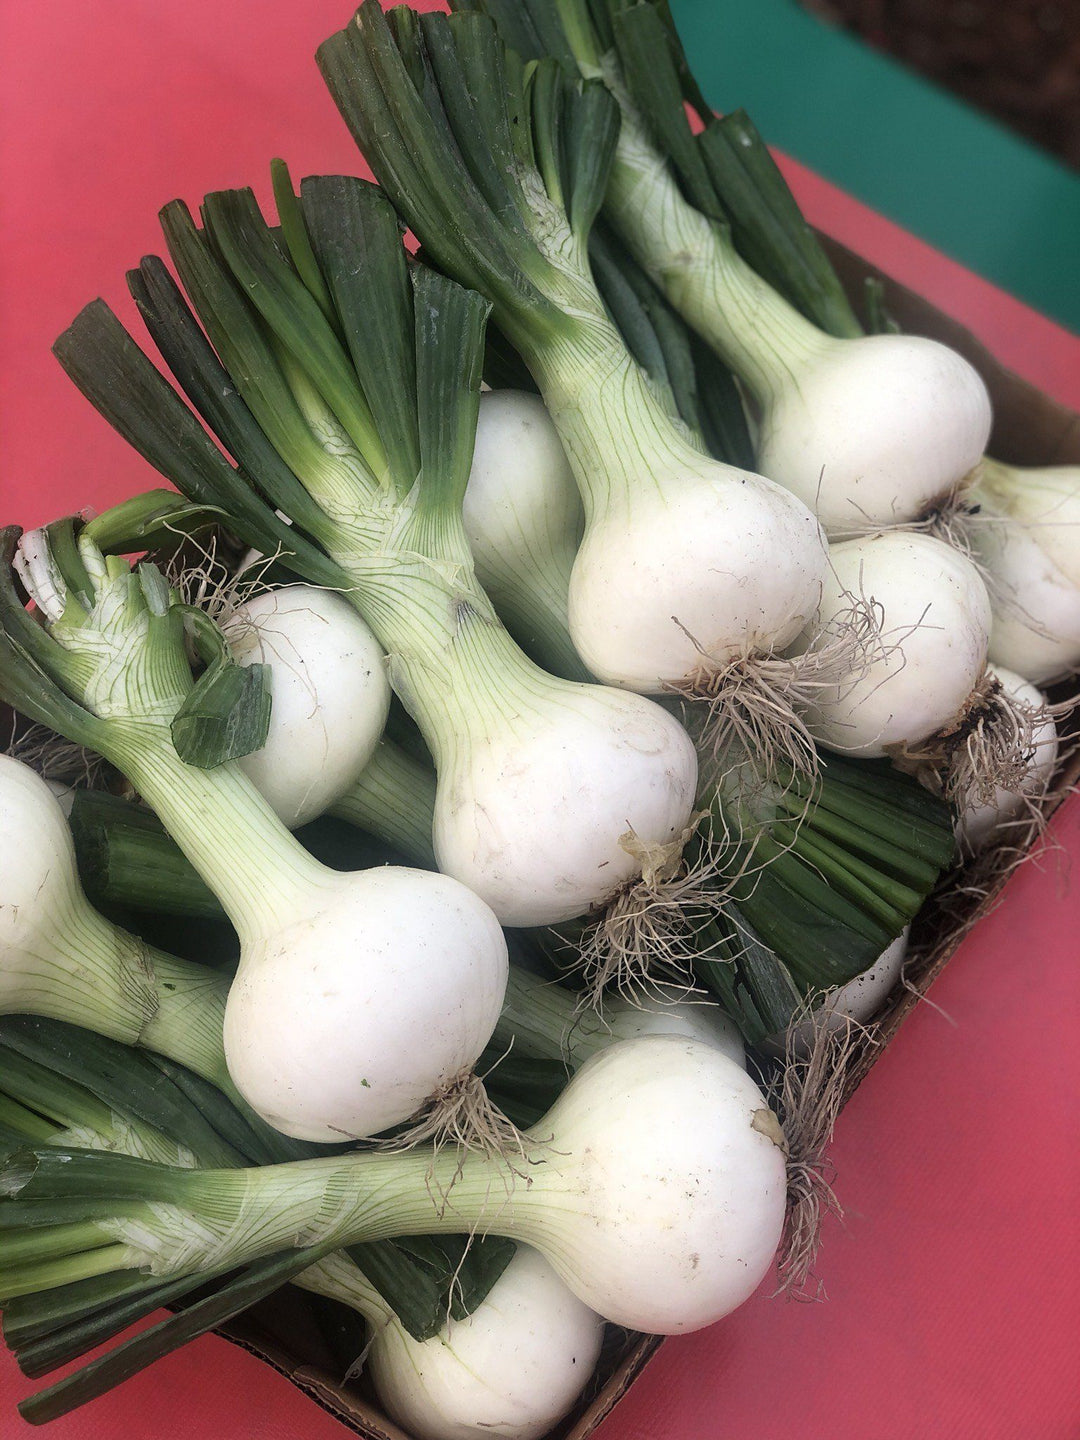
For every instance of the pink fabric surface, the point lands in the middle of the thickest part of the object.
(953, 1309)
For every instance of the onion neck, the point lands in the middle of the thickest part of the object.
(89, 972)
(394, 800)
(82, 969)
(618, 437)
(186, 1025)
(694, 261)
(452, 662)
(534, 606)
(260, 873)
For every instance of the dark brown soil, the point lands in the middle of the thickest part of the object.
(1017, 59)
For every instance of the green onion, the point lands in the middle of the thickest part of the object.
(294, 1049)
(867, 430)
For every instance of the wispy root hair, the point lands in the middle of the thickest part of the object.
(960, 899)
(643, 940)
(54, 757)
(989, 746)
(753, 705)
(207, 580)
(463, 1115)
(807, 1093)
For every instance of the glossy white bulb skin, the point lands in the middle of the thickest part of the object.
(530, 817)
(980, 824)
(859, 1000)
(664, 1203)
(705, 566)
(330, 696)
(665, 1010)
(522, 509)
(40, 894)
(874, 431)
(1027, 537)
(512, 1369)
(935, 621)
(386, 985)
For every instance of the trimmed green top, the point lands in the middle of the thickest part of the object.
(957, 179)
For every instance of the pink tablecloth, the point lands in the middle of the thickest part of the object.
(953, 1306)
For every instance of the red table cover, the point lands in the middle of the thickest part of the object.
(953, 1307)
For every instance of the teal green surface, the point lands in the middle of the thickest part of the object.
(907, 149)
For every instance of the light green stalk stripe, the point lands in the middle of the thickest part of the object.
(451, 661)
(342, 1200)
(693, 260)
(258, 871)
(89, 972)
(542, 1021)
(394, 800)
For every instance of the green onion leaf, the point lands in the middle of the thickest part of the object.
(225, 716)
(357, 237)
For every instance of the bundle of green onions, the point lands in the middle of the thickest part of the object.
(541, 758)
(620, 847)
(873, 431)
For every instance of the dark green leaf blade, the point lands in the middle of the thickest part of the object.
(135, 398)
(225, 716)
(767, 225)
(357, 238)
(134, 1355)
(450, 324)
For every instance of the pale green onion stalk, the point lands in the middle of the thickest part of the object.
(61, 959)
(330, 696)
(505, 205)
(394, 800)
(1023, 528)
(358, 995)
(655, 1187)
(866, 430)
(513, 1367)
(543, 1021)
(524, 520)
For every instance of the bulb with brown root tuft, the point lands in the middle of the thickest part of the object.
(993, 818)
(928, 702)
